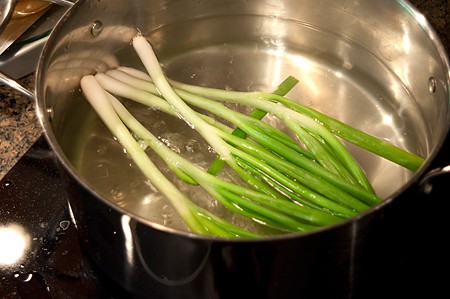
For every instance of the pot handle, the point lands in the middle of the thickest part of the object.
(438, 174)
(16, 85)
(426, 182)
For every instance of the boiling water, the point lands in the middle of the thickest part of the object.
(351, 87)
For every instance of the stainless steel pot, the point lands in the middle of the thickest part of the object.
(378, 60)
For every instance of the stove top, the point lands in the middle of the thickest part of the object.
(40, 256)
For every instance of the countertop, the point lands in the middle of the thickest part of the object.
(20, 128)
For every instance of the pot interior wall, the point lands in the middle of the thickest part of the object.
(369, 65)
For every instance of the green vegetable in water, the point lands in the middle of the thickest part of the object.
(289, 186)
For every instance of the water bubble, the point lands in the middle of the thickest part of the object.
(50, 113)
(347, 65)
(211, 149)
(102, 149)
(117, 194)
(432, 84)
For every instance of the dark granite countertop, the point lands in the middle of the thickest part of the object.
(19, 126)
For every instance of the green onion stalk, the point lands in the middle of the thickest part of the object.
(276, 213)
(132, 87)
(289, 186)
(198, 219)
(366, 141)
(330, 190)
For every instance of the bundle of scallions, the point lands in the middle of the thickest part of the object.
(291, 185)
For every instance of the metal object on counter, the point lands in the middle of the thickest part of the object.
(25, 8)
(23, 33)
(17, 25)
